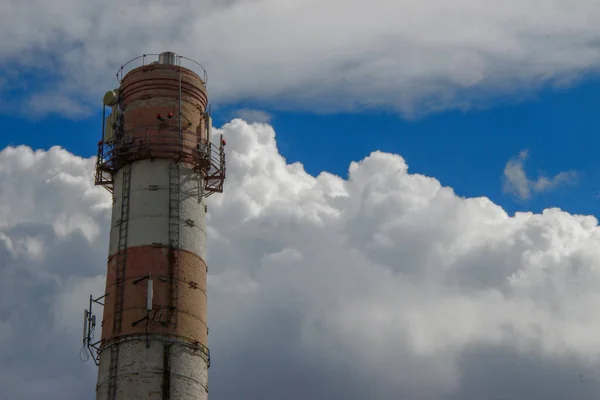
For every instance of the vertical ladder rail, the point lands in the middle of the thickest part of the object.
(174, 222)
(121, 264)
(112, 377)
(179, 112)
(166, 386)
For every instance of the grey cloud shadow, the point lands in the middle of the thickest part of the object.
(502, 373)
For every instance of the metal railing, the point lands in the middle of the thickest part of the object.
(205, 156)
(146, 59)
(215, 177)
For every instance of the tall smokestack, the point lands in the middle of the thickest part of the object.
(156, 160)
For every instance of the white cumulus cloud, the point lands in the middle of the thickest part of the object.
(380, 284)
(413, 56)
(251, 115)
(517, 182)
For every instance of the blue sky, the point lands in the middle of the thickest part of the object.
(347, 290)
(464, 150)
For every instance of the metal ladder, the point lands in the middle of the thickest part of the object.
(122, 249)
(166, 386)
(174, 221)
(112, 377)
(121, 265)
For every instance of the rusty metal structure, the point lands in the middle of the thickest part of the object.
(158, 160)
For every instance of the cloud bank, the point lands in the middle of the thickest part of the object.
(328, 55)
(249, 115)
(383, 284)
(517, 183)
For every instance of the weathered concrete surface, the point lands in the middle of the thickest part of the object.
(149, 208)
(153, 145)
(142, 375)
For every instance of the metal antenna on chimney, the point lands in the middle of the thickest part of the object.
(89, 328)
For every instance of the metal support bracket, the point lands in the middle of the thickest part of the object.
(89, 325)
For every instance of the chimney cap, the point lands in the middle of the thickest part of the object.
(167, 57)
